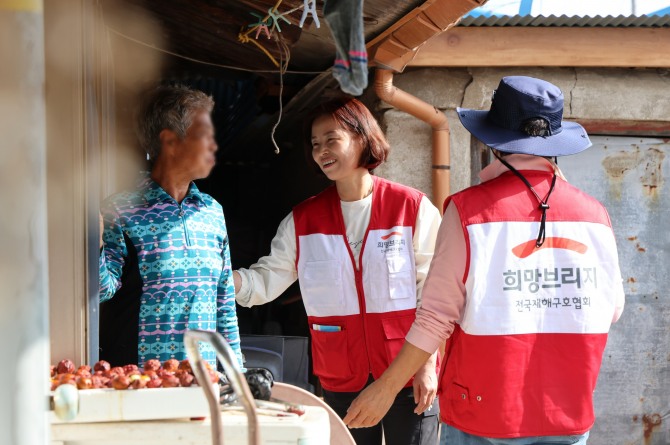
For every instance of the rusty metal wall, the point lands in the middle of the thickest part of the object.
(633, 395)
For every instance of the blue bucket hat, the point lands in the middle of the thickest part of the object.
(517, 99)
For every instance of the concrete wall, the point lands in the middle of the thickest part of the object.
(616, 94)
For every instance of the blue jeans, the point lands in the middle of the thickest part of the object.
(453, 436)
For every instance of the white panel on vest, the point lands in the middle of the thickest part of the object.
(389, 272)
(326, 276)
(569, 285)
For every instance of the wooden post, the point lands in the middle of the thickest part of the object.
(24, 344)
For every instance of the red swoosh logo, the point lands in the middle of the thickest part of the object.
(385, 237)
(528, 248)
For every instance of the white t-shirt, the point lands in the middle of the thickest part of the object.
(273, 274)
(356, 219)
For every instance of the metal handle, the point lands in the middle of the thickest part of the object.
(237, 381)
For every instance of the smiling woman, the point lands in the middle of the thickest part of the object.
(334, 149)
(349, 119)
(361, 250)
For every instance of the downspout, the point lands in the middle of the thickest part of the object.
(404, 101)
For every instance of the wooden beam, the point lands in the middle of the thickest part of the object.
(398, 44)
(660, 129)
(546, 46)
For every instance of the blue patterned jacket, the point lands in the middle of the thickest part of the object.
(165, 268)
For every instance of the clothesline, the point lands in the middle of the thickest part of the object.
(203, 62)
(270, 23)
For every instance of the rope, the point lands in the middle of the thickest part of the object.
(283, 47)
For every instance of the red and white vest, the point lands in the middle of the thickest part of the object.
(358, 318)
(524, 358)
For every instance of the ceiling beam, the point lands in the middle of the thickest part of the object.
(398, 44)
(546, 46)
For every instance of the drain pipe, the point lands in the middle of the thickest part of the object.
(404, 101)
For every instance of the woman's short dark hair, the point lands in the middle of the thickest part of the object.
(171, 107)
(354, 117)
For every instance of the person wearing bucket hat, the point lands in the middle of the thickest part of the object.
(523, 286)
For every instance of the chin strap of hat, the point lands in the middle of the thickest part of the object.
(544, 203)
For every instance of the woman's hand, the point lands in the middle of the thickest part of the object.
(373, 403)
(425, 385)
(370, 406)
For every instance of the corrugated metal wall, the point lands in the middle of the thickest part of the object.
(633, 394)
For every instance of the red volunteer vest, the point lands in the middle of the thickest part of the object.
(358, 318)
(525, 357)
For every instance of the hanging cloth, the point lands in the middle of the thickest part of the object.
(345, 19)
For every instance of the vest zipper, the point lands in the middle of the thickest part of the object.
(358, 272)
(358, 276)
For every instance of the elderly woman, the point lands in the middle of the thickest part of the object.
(164, 258)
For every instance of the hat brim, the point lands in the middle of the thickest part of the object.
(571, 140)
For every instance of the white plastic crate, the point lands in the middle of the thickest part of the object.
(312, 428)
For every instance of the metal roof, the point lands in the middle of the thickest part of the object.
(642, 21)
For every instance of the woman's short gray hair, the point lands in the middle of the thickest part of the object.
(171, 107)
